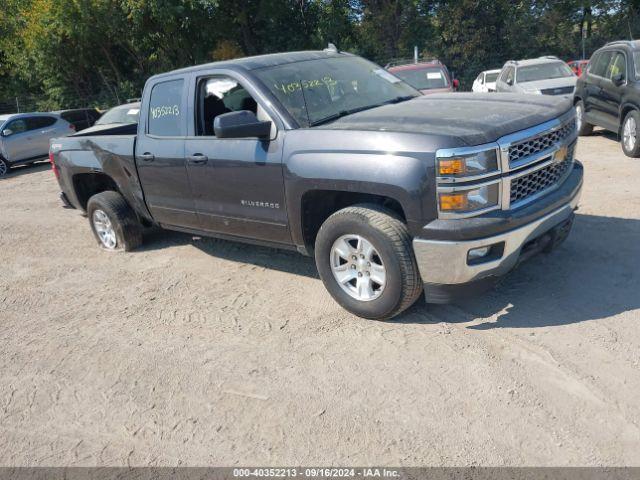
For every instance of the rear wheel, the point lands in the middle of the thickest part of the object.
(4, 167)
(582, 126)
(113, 222)
(365, 259)
(631, 134)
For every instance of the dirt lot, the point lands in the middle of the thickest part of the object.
(202, 352)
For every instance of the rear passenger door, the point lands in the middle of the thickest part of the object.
(44, 129)
(159, 154)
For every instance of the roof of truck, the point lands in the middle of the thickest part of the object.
(263, 61)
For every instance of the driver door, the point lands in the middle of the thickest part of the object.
(18, 145)
(237, 183)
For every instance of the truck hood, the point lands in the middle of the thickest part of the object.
(466, 118)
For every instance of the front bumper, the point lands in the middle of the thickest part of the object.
(444, 263)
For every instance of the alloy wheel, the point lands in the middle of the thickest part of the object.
(629, 133)
(104, 229)
(358, 268)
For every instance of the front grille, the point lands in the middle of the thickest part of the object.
(521, 150)
(557, 91)
(533, 183)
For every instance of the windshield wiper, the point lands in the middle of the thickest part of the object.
(344, 113)
(399, 99)
(340, 114)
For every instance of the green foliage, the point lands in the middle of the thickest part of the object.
(65, 53)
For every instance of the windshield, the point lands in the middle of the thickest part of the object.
(318, 91)
(424, 78)
(121, 114)
(636, 60)
(543, 71)
(491, 77)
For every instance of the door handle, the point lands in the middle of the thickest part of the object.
(147, 157)
(197, 159)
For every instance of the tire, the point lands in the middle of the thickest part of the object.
(381, 243)
(113, 223)
(584, 128)
(4, 167)
(630, 134)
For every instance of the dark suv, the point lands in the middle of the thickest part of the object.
(608, 94)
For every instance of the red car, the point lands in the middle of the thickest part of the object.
(577, 66)
(428, 77)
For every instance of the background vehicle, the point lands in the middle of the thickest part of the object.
(24, 137)
(428, 77)
(391, 191)
(577, 66)
(608, 94)
(486, 81)
(80, 118)
(122, 116)
(544, 75)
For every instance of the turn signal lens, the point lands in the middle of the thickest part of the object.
(454, 202)
(484, 162)
(451, 166)
(470, 200)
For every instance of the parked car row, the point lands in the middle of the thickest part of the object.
(24, 137)
(605, 89)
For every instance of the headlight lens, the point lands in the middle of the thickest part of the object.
(471, 200)
(480, 163)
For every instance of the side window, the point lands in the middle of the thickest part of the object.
(600, 64)
(165, 109)
(617, 66)
(35, 123)
(218, 95)
(510, 74)
(479, 79)
(17, 126)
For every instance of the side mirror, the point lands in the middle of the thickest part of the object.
(456, 83)
(510, 82)
(7, 132)
(618, 79)
(240, 124)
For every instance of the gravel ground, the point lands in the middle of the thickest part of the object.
(194, 351)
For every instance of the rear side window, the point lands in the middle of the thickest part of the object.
(165, 109)
(636, 61)
(34, 123)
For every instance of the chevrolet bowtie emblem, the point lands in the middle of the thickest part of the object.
(561, 154)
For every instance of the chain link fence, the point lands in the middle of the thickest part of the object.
(67, 101)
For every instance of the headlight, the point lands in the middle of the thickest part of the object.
(479, 163)
(469, 200)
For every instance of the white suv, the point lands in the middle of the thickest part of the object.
(538, 76)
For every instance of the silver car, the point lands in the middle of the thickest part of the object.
(24, 137)
(538, 76)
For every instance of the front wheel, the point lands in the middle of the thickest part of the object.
(583, 127)
(630, 134)
(4, 167)
(366, 262)
(113, 222)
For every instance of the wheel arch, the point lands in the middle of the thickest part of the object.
(319, 204)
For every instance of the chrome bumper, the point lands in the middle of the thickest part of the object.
(445, 262)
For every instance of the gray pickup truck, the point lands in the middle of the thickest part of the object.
(330, 155)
